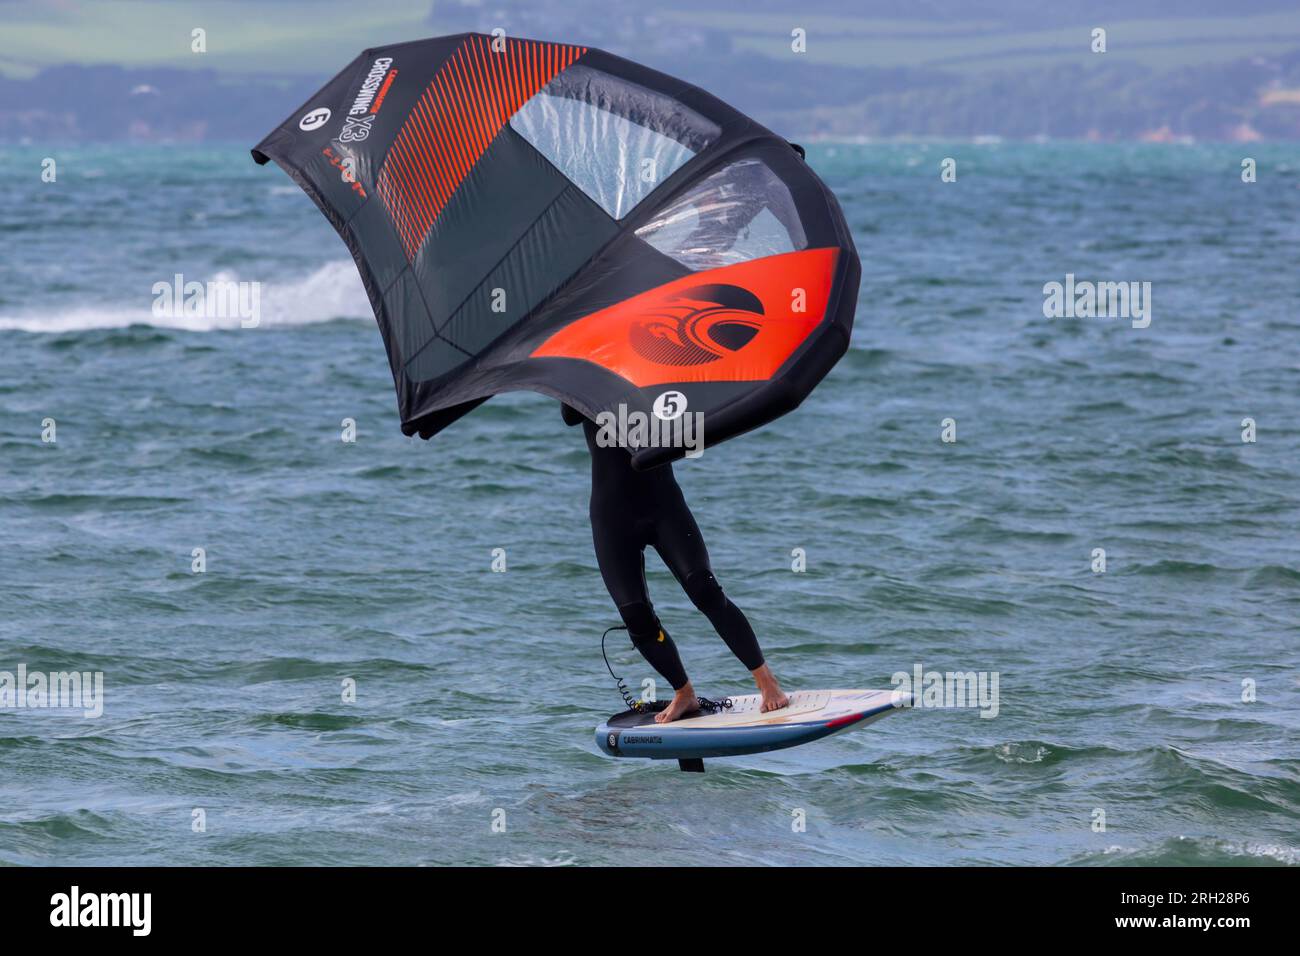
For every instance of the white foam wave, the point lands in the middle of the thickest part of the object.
(334, 291)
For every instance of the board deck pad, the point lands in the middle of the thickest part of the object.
(743, 728)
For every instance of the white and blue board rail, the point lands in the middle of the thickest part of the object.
(743, 728)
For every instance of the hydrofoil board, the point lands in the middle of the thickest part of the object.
(743, 728)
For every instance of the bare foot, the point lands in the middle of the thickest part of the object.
(683, 701)
(773, 698)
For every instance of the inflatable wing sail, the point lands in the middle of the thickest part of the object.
(531, 215)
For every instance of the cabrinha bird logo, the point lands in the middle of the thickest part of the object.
(698, 325)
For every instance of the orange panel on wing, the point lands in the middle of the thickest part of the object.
(734, 324)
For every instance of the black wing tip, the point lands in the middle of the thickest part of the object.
(259, 157)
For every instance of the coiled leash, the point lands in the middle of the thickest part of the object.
(632, 703)
(653, 706)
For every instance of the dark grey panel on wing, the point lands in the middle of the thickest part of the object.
(437, 358)
(372, 231)
(559, 243)
(409, 328)
(496, 204)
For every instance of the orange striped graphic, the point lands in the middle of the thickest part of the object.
(470, 98)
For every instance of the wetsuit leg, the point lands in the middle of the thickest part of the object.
(620, 552)
(680, 544)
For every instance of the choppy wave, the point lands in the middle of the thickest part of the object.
(333, 291)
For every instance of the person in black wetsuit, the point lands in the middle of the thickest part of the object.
(631, 509)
